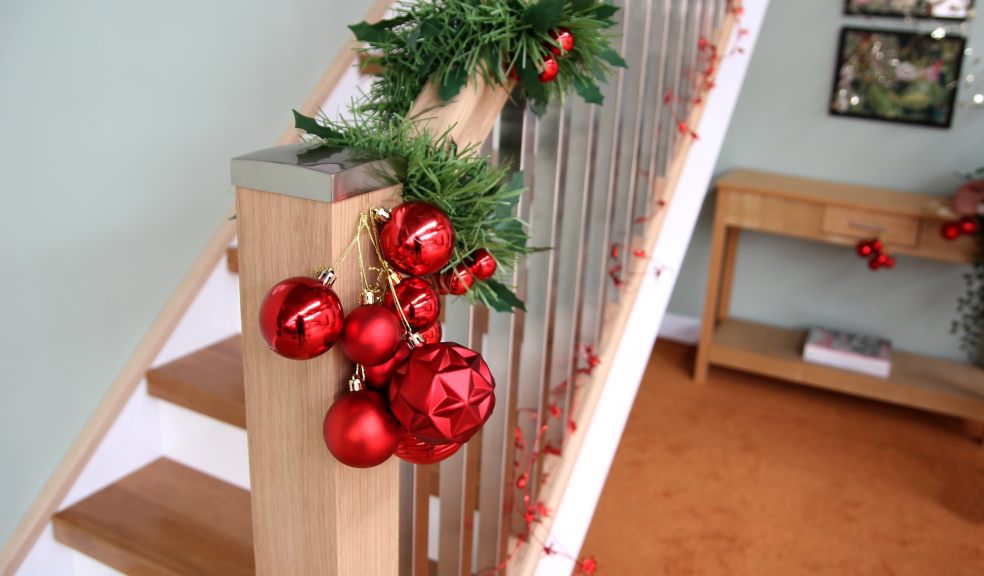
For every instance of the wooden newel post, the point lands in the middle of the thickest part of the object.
(313, 516)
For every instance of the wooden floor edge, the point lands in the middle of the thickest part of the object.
(554, 491)
(38, 515)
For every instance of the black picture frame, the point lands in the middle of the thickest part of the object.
(875, 88)
(923, 10)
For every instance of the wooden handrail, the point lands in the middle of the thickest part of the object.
(56, 488)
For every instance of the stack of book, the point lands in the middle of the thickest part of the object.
(856, 352)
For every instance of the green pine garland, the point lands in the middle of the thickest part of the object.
(970, 307)
(449, 42)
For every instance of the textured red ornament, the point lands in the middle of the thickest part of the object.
(864, 249)
(968, 225)
(443, 393)
(378, 377)
(301, 318)
(432, 334)
(482, 264)
(950, 230)
(550, 69)
(420, 302)
(360, 431)
(564, 38)
(457, 281)
(371, 334)
(415, 451)
(418, 239)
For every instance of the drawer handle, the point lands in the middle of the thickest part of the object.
(867, 227)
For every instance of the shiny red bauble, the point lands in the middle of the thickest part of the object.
(378, 377)
(968, 225)
(360, 431)
(420, 302)
(482, 264)
(550, 69)
(864, 249)
(443, 393)
(418, 239)
(371, 334)
(416, 451)
(301, 318)
(950, 230)
(564, 38)
(432, 334)
(456, 281)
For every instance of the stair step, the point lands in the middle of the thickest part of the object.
(209, 381)
(164, 519)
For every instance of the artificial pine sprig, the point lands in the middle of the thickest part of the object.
(970, 306)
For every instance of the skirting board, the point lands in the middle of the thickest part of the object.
(679, 328)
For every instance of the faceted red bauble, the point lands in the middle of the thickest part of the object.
(968, 225)
(371, 334)
(950, 230)
(432, 334)
(301, 318)
(482, 264)
(417, 239)
(864, 249)
(420, 301)
(415, 451)
(563, 37)
(443, 393)
(379, 376)
(360, 431)
(457, 281)
(550, 69)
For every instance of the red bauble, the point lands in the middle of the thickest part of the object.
(864, 249)
(378, 377)
(968, 225)
(457, 281)
(879, 260)
(418, 239)
(550, 69)
(950, 230)
(482, 264)
(443, 393)
(301, 318)
(877, 245)
(889, 262)
(360, 431)
(371, 334)
(420, 301)
(432, 334)
(417, 451)
(563, 37)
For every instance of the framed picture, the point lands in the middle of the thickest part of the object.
(935, 9)
(897, 76)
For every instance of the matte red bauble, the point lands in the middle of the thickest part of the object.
(432, 334)
(415, 451)
(968, 225)
(550, 69)
(420, 301)
(360, 431)
(418, 239)
(378, 377)
(443, 393)
(482, 264)
(563, 37)
(864, 249)
(457, 281)
(301, 318)
(371, 334)
(950, 230)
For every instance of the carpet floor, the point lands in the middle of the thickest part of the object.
(750, 476)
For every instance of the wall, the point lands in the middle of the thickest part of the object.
(118, 120)
(781, 125)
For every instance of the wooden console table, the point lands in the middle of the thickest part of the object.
(836, 214)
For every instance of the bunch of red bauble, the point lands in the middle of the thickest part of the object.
(875, 252)
(966, 226)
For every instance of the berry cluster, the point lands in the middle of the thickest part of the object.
(876, 253)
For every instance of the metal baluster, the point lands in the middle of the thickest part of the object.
(658, 125)
(678, 81)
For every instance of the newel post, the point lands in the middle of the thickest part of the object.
(313, 516)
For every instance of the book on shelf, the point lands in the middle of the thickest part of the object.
(856, 352)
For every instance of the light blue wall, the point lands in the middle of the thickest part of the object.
(117, 121)
(781, 125)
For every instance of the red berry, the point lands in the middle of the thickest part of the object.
(563, 38)
(550, 69)
(968, 225)
(950, 230)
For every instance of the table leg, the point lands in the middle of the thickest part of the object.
(728, 273)
(719, 241)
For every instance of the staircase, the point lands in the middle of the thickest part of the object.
(182, 506)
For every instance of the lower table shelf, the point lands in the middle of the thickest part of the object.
(925, 382)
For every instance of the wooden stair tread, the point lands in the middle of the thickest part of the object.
(209, 381)
(164, 519)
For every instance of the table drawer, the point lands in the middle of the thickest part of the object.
(893, 229)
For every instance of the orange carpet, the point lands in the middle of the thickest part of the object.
(749, 476)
